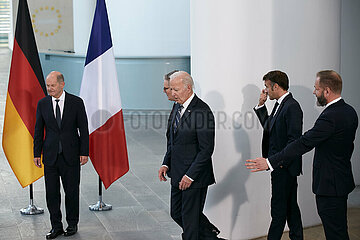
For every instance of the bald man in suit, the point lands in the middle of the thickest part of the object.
(61, 118)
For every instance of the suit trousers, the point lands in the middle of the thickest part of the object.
(333, 214)
(284, 206)
(187, 211)
(70, 178)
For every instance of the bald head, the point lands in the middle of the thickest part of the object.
(55, 84)
(181, 85)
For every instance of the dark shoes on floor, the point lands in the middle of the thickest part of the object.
(70, 230)
(54, 233)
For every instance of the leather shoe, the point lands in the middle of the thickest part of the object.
(54, 233)
(70, 230)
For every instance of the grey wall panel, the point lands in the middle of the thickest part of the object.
(140, 78)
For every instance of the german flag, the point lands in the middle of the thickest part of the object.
(26, 87)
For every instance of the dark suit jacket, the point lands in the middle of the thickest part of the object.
(284, 128)
(190, 148)
(333, 139)
(73, 119)
(175, 106)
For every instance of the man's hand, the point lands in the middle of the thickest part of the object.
(162, 173)
(258, 164)
(263, 97)
(83, 159)
(37, 162)
(184, 183)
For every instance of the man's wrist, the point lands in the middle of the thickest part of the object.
(269, 165)
(189, 178)
(259, 106)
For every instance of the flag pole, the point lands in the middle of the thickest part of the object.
(100, 205)
(31, 209)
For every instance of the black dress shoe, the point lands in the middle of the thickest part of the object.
(70, 230)
(54, 233)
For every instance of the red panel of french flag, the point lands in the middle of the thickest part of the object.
(101, 95)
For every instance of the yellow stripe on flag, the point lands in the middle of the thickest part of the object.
(18, 146)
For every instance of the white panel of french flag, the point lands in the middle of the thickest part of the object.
(101, 95)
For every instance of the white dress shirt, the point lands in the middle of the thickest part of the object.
(332, 102)
(186, 104)
(61, 103)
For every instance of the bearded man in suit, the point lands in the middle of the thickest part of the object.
(333, 138)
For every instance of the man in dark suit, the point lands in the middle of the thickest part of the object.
(188, 159)
(332, 137)
(283, 126)
(63, 117)
(167, 91)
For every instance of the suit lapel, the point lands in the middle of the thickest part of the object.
(186, 114)
(188, 110)
(272, 122)
(51, 110)
(65, 110)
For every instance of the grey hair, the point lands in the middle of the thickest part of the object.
(185, 77)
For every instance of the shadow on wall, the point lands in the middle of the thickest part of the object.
(233, 183)
(304, 95)
(307, 101)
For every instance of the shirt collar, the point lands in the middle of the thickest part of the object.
(61, 98)
(188, 101)
(282, 97)
(333, 101)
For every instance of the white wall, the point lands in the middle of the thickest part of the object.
(350, 67)
(138, 27)
(233, 44)
(83, 16)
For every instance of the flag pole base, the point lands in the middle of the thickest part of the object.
(100, 206)
(31, 210)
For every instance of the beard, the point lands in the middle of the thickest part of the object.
(321, 100)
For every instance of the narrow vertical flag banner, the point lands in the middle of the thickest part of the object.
(100, 92)
(26, 87)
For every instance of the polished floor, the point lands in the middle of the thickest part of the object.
(140, 202)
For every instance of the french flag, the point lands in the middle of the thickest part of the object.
(101, 95)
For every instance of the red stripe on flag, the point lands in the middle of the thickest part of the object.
(24, 88)
(108, 151)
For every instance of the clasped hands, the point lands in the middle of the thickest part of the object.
(184, 184)
(257, 164)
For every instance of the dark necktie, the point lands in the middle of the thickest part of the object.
(266, 134)
(274, 110)
(267, 123)
(177, 117)
(58, 120)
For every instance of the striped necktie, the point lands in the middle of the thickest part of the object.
(177, 117)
